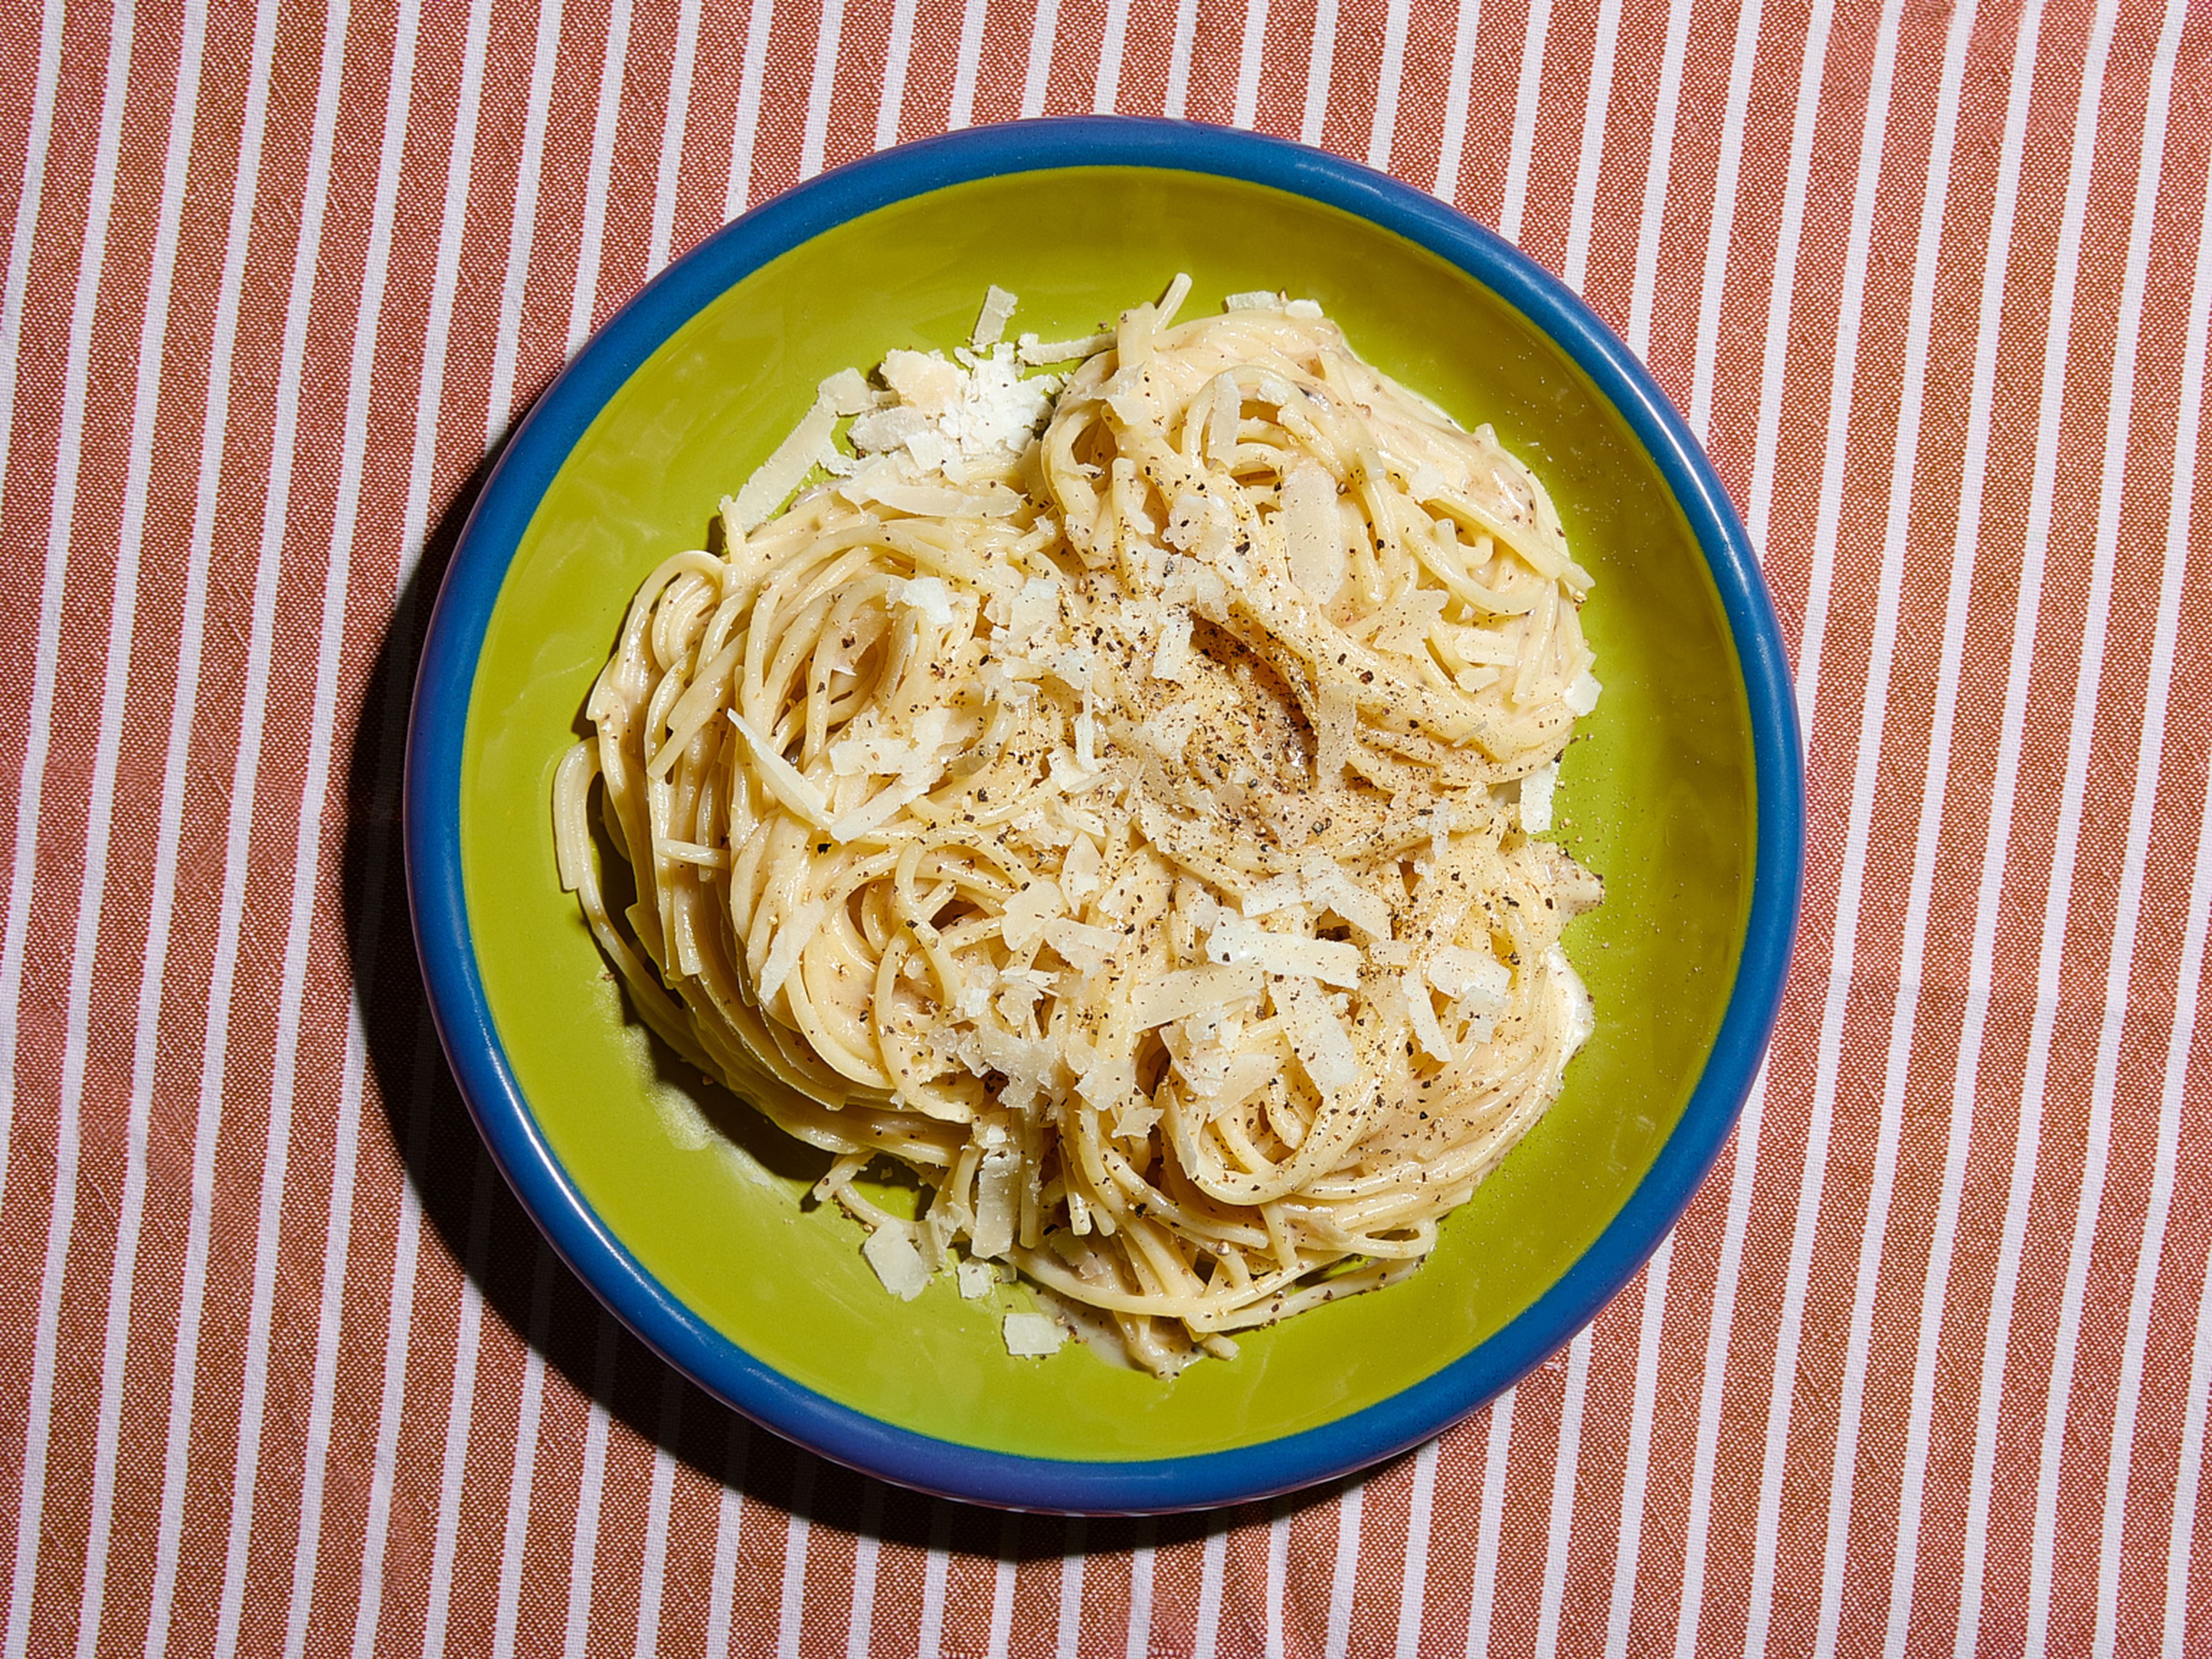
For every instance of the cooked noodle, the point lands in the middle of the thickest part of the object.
(1131, 837)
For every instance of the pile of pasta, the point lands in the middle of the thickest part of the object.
(1125, 817)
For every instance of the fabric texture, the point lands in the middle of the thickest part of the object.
(1924, 1368)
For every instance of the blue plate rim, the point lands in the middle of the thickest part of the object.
(437, 721)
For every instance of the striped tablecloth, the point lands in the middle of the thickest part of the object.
(1925, 1366)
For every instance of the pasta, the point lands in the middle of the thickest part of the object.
(1113, 803)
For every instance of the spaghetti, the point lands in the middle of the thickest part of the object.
(1129, 829)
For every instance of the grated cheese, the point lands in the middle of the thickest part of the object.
(991, 321)
(1318, 1035)
(1032, 1336)
(1234, 940)
(896, 1262)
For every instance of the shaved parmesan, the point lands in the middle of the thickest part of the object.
(1326, 883)
(975, 1279)
(991, 321)
(1313, 535)
(1582, 695)
(1331, 961)
(846, 392)
(788, 463)
(1277, 893)
(1022, 923)
(1258, 298)
(1476, 977)
(798, 929)
(1087, 949)
(1318, 1035)
(896, 1262)
(1536, 798)
(998, 1183)
(1188, 991)
(1032, 1336)
(1079, 869)
(929, 596)
(1428, 1031)
(923, 379)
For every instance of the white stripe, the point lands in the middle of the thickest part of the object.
(37, 143)
(1560, 1517)
(2181, 1534)
(1067, 1633)
(407, 1237)
(963, 108)
(1344, 1575)
(729, 1521)
(2182, 1029)
(1658, 173)
(1186, 29)
(2179, 1039)
(1246, 108)
(339, 1229)
(1803, 1223)
(929, 1639)
(1388, 81)
(1321, 58)
(1140, 1593)
(215, 426)
(1489, 1517)
(1591, 156)
(584, 1544)
(1106, 88)
(275, 515)
(1713, 1373)
(1525, 98)
(867, 1548)
(1212, 1562)
(522, 225)
(1002, 1586)
(669, 172)
(897, 52)
(2120, 950)
(1998, 1333)
(737, 194)
(1038, 74)
(814, 136)
(145, 413)
(653, 1576)
(1413, 1579)
(1774, 362)
(452, 1473)
(530, 1409)
(1279, 1562)
(1874, 1234)
(399, 1334)
(25, 862)
(1455, 96)
(1635, 1472)
(68, 459)
(1720, 232)
(606, 116)
(1957, 607)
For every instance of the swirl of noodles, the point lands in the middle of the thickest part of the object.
(1128, 840)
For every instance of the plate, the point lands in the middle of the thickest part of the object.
(682, 1211)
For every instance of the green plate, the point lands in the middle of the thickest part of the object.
(1660, 795)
